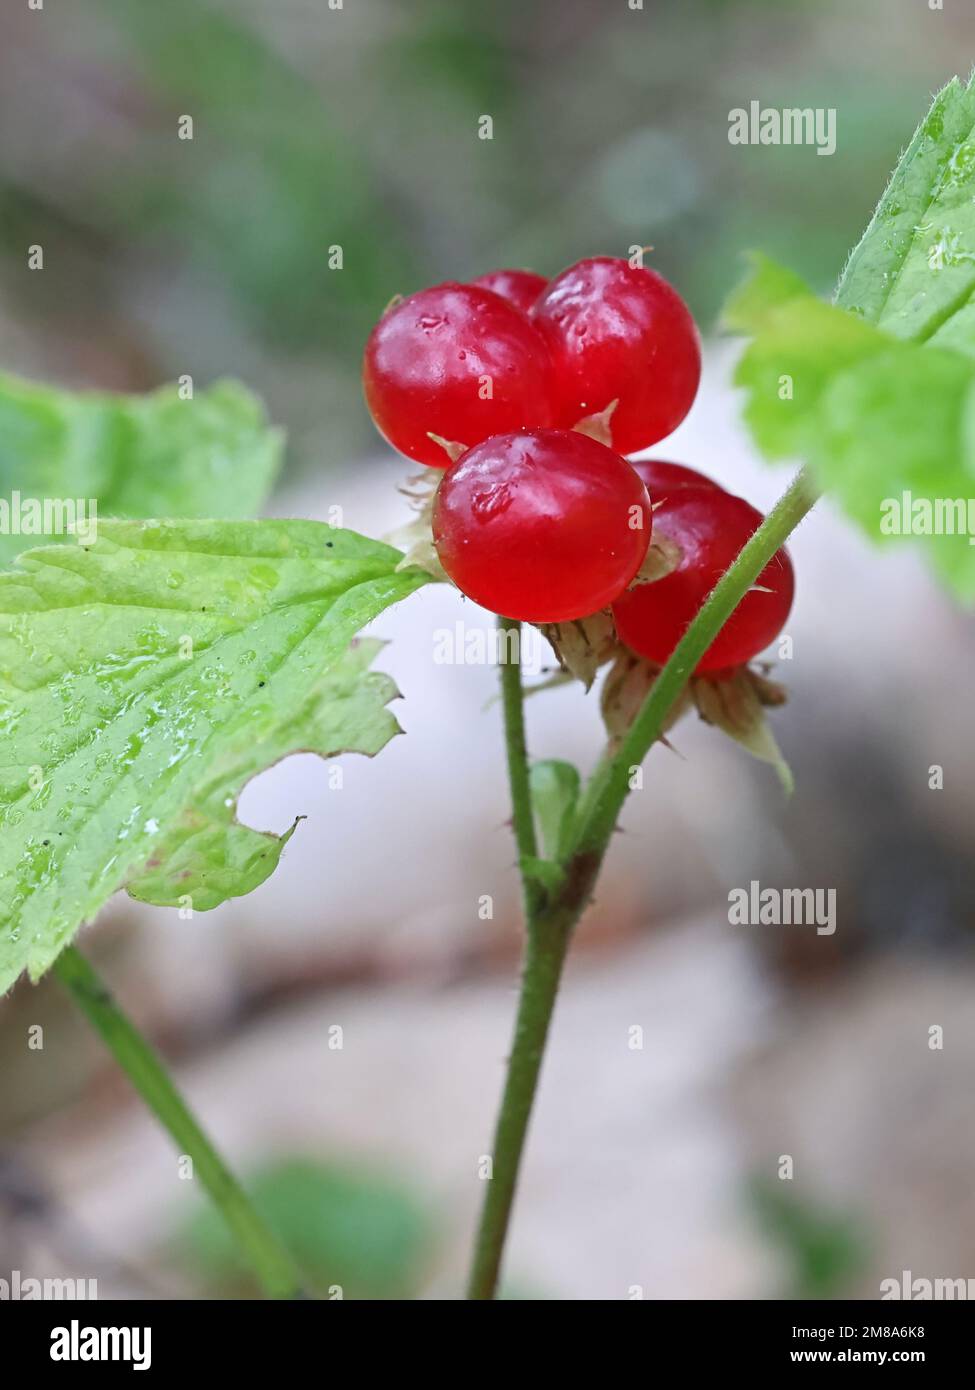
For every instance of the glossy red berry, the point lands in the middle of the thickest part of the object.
(620, 332)
(662, 478)
(542, 525)
(519, 287)
(709, 527)
(457, 361)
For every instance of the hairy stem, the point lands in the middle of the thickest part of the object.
(545, 950)
(270, 1262)
(541, 970)
(550, 920)
(516, 747)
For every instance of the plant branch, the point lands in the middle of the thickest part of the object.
(270, 1262)
(550, 920)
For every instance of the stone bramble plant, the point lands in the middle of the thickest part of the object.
(150, 669)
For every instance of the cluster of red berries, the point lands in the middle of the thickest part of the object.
(536, 519)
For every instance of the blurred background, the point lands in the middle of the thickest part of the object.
(342, 1030)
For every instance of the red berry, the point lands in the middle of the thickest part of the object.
(542, 525)
(709, 527)
(456, 361)
(519, 287)
(620, 332)
(662, 478)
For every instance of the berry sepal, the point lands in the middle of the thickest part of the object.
(415, 538)
(735, 701)
(663, 557)
(583, 645)
(627, 685)
(598, 426)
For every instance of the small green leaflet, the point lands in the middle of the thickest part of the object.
(876, 392)
(546, 872)
(143, 680)
(555, 790)
(213, 454)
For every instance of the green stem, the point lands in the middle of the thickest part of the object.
(269, 1260)
(550, 921)
(513, 709)
(545, 950)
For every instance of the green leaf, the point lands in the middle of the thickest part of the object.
(135, 456)
(885, 425)
(144, 680)
(877, 391)
(364, 1232)
(800, 346)
(914, 268)
(555, 790)
(766, 289)
(894, 422)
(206, 855)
